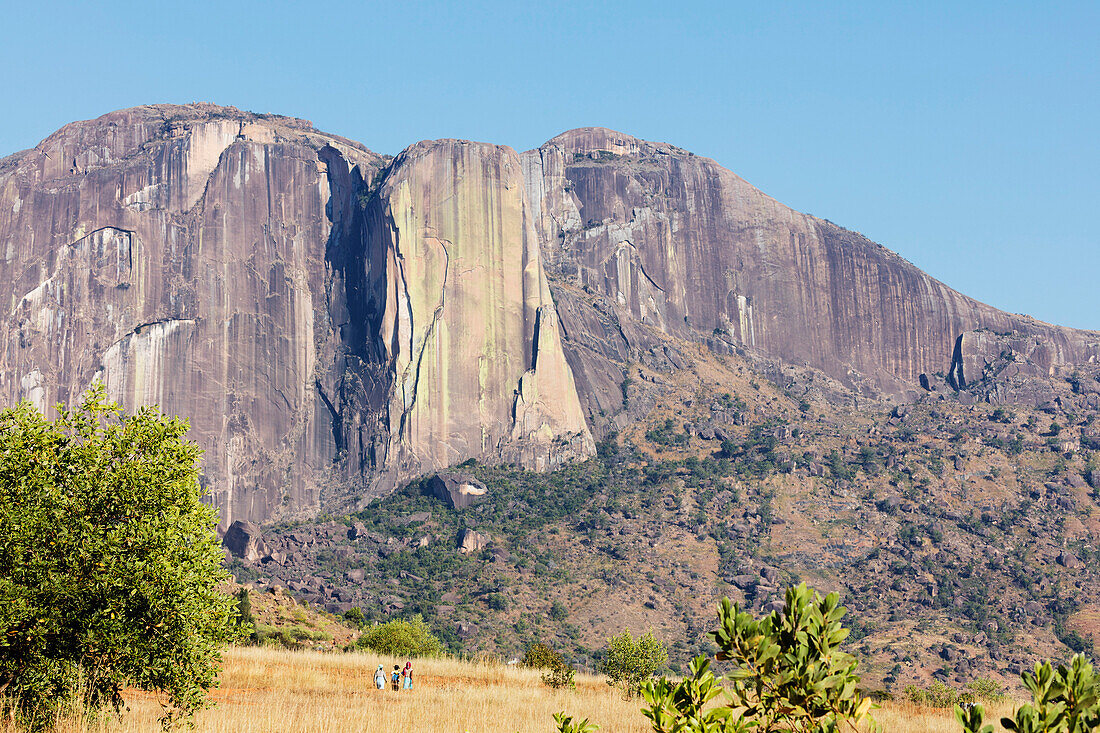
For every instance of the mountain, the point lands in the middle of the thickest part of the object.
(336, 322)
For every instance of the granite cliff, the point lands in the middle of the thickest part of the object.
(239, 270)
(334, 321)
(676, 243)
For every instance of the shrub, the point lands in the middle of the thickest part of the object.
(630, 661)
(540, 656)
(355, 617)
(936, 695)
(110, 562)
(558, 674)
(566, 724)
(789, 674)
(986, 690)
(400, 638)
(1065, 699)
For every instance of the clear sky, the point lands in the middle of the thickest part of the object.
(963, 135)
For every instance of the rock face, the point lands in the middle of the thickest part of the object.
(331, 318)
(458, 490)
(245, 540)
(462, 317)
(683, 246)
(472, 541)
(228, 267)
(180, 255)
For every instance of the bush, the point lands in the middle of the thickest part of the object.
(558, 674)
(789, 675)
(936, 695)
(289, 637)
(355, 617)
(110, 562)
(540, 656)
(630, 661)
(1065, 699)
(400, 638)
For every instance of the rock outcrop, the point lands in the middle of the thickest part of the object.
(179, 254)
(334, 322)
(228, 267)
(245, 540)
(463, 317)
(681, 245)
(458, 490)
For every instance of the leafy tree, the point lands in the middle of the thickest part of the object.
(558, 611)
(558, 673)
(355, 616)
(1065, 699)
(401, 638)
(631, 661)
(540, 656)
(681, 707)
(790, 675)
(109, 562)
(244, 609)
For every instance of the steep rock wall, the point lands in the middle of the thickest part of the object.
(326, 336)
(179, 255)
(463, 316)
(682, 245)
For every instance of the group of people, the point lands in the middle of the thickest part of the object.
(399, 678)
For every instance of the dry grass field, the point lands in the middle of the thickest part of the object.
(274, 691)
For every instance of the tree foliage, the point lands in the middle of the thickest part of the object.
(789, 674)
(631, 661)
(1064, 699)
(109, 562)
(401, 638)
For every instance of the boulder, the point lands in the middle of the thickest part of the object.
(457, 489)
(471, 541)
(1069, 560)
(244, 539)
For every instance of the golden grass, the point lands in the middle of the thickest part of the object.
(266, 690)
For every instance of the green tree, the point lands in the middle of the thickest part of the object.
(789, 676)
(245, 618)
(1064, 699)
(109, 563)
(401, 638)
(630, 661)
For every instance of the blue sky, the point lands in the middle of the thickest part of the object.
(965, 136)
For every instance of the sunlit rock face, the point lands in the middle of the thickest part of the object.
(682, 245)
(179, 254)
(235, 269)
(334, 322)
(463, 316)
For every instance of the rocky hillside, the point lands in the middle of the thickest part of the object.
(336, 322)
(962, 532)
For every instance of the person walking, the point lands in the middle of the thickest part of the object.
(407, 675)
(395, 678)
(380, 678)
